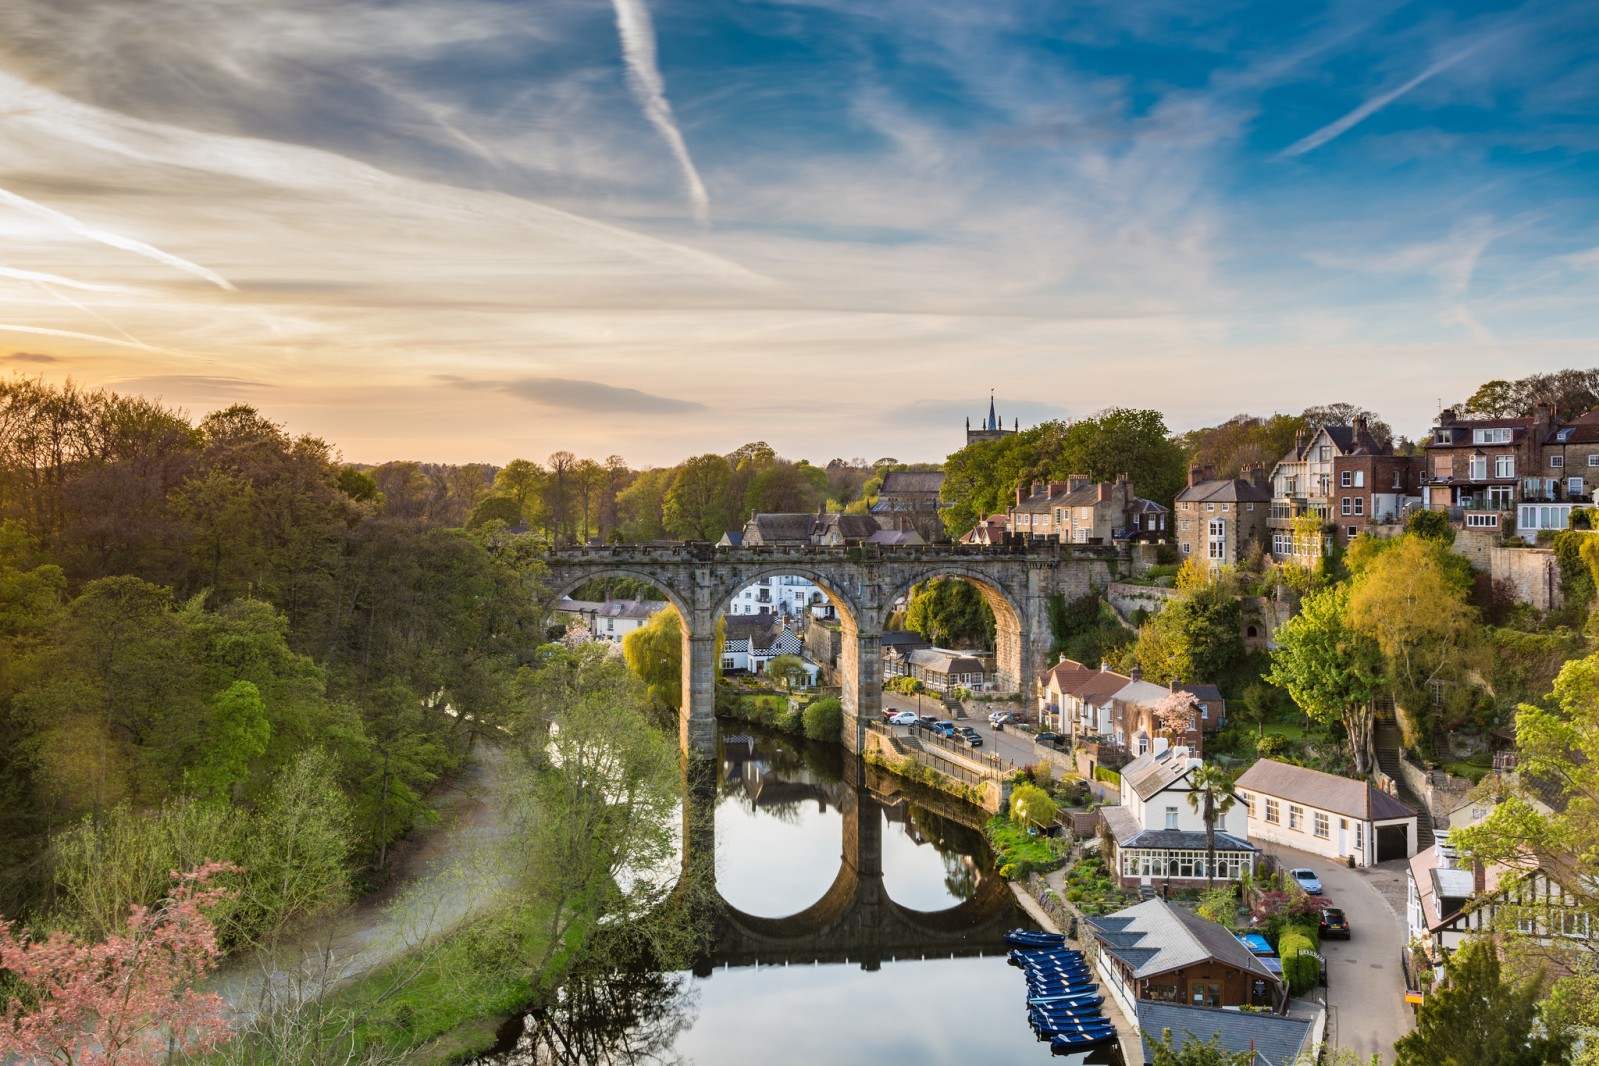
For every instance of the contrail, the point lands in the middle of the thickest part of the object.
(127, 244)
(638, 51)
(57, 279)
(45, 331)
(1372, 106)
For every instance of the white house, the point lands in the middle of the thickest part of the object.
(784, 595)
(752, 642)
(1160, 836)
(1325, 814)
(611, 620)
(1450, 901)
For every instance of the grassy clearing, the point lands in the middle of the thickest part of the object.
(1018, 852)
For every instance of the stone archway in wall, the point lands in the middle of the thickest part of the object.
(848, 610)
(1021, 627)
(564, 588)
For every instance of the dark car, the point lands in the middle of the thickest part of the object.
(926, 721)
(1334, 924)
(970, 736)
(1052, 739)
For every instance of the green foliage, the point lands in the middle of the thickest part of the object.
(1107, 775)
(1219, 904)
(1019, 851)
(1480, 1017)
(654, 652)
(1085, 629)
(1190, 1050)
(1271, 745)
(1430, 525)
(824, 719)
(1329, 669)
(1301, 969)
(951, 613)
(696, 507)
(1031, 806)
(239, 734)
(1196, 638)
(787, 670)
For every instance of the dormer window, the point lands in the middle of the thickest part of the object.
(1491, 436)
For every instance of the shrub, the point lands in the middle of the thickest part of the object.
(1271, 745)
(1300, 966)
(824, 719)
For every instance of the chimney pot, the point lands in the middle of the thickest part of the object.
(1136, 674)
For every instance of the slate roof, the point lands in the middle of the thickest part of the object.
(1584, 429)
(760, 630)
(1154, 937)
(849, 526)
(896, 537)
(733, 538)
(1183, 840)
(612, 608)
(946, 662)
(1276, 1039)
(1102, 686)
(1340, 795)
(912, 481)
(899, 638)
(1153, 771)
(1231, 490)
(779, 528)
(1203, 693)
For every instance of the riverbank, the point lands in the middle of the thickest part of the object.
(381, 949)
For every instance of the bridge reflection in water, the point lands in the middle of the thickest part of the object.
(855, 919)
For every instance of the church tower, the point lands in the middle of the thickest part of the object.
(990, 428)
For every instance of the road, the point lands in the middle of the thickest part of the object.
(1365, 980)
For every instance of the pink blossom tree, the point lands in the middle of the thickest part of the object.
(126, 1002)
(1177, 712)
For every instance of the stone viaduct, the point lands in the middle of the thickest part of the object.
(863, 583)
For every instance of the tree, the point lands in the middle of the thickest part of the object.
(654, 652)
(1211, 796)
(124, 1002)
(951, 613)
(1344, 414)
(1195, 638)
(1414, 608)
(239, 734)
(1430, 525)
(1195, 1052)
(1177, 713)
(824, 719)
(1481, 1019)
(1032, 806)
(696, 506)
(1330, 670)
(788, 670)
(558, 496)
(1240, 441)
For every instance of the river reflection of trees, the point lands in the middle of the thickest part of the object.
(605, 1017)
(777, 774)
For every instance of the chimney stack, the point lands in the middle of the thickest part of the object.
(1105, 489)
(1021, 494)
(1136, 673)
(1446, 417)
(1195, 474)
(1301, 438)
(1038, 488)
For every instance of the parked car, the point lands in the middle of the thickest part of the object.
(1306, 879)
(974, 740)
(1334, 924)
(999, 718)
(926, 721)
(904, 718)
(1054, 740)
(944, 729)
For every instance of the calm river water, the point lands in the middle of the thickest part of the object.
(781, 813)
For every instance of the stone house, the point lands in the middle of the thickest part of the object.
(1160, 837)
(1325, 814)
(610, 620)
(1567, 476)
(1155, 951)
(1221, 520)
(1080, 511)
(802, 530)
(908, 501)
(941, 670)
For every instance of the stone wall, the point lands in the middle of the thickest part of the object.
(1532, 572)
(1477, 545)
(822, 646)
(1129, 598)
(1440, 791)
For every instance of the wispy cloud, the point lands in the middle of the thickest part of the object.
(1374, 105)
(28, 357)
(576, 395)
(114, 240)
(644, 75)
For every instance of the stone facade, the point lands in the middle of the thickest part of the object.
(1221, 521)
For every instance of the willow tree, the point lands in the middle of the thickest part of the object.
(1330, 670)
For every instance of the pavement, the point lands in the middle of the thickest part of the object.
(1365, 979)
(1011, 746)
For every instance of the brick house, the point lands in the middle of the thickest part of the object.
(1481, 470)
(1154, 951)
(1331, 475)
(1220, 520)
(1567, 476)
(1373, 489)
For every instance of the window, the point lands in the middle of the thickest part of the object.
(1272, 812)
(1360, 835)
(1247, 800)
(1360, 479)
(1296, 818)
(1504, 466)
(1187, 547)
(1557, 460)
(1360, 505)
(1574, 486)
(1324, 453)
(1282, 544)
(1346, 479)
(1479, 468)
(1319, 825)
(1218, 538)
(1226, 507)
(1490, 436)
(1183, 525)
(1351, 532)
(1478, 520)
(1210, 507)
(1171, 817)
(1344, 506)
(1593, 460)
(1249, 507)
(1499, 497)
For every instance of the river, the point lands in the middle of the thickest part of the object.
(819, 959)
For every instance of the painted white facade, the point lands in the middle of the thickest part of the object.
(784, 595)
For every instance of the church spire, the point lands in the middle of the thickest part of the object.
(993, 419)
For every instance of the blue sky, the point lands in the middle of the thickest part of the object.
(458, 230)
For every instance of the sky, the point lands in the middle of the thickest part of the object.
(463, 230)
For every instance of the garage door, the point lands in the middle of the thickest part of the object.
(1393, 842)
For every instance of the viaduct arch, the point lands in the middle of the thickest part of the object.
(699, 580)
